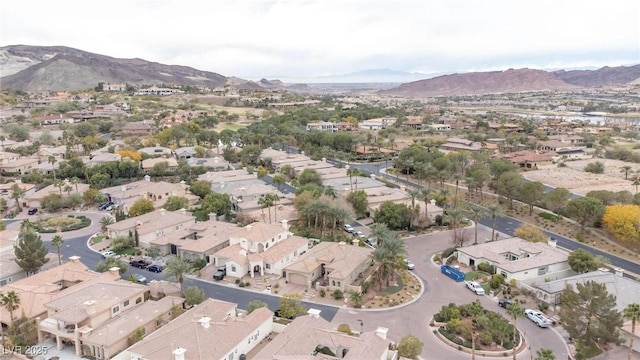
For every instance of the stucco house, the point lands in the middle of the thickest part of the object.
(519, 259)
(331, 265)
(156, 191)
(261, 248)
(68, 188)
(212, 330)
(148, 164)
(151, 226)
(197, 240)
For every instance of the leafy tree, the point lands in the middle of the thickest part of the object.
(455, 217)
(625, 170)
(153, 252)
(52, 202)
(582, 261)
(623, 221)
(178, 268)
(56, 242)
(530, 233)
(532, 193)
(122, 242)
(396, 216)
(111, 262)
(219, 204)
(356, 298)
(255, 304)
(279, 180)
(632, 312)
(589, 315)
(556, 200)
(515, 311)
(545, 354)
(478, 212)
(360, 202)
(509, 185)
(174, 203)
(200, 188)
(30, 251)
(10, 301)
(291, 306)
(595, 167)
(309, 176)
(16, 194)
(250, 154)
(345, 328)
(193, 295)
(410, 347)
(141, 207)
(585, 210)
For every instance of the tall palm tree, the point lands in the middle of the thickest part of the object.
(494, 211)
(380, 231)
(11, 302)
(178, 268)
(478, 212)
(75, 181)
(266, 201)
(632, 311)
(106, 221)
(424, 195)
(354, 172)
(455, 217)
(56, 242)
(59, 184)
(52, 160)
(625, 169)
(475, 310)
(379, 257)
(457, 178)
(273, 197)
(16, 193)
(515, 311)
(330, 191)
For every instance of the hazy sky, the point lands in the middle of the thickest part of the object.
(293, 39)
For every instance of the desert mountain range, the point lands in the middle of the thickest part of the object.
(55, 68)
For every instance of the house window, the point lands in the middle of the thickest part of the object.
(273, 240)
(177, 227)
(138, 300)
(279, 236)
(116, 309)
(126, 303)
(233, 268)
(295, 252)
(333, 283)
(504, 274)
(543, 270)
(267, 266)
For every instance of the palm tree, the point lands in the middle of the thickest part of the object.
(106, 221)
(59, 184)
(273, 197)
(354, 172)
(494, 211)
(16, 193)
(178, 268)
(625, 169)
(75, 181)
(52, 160)
(10, 301)
(379, 257)
(478, 212)
(424, 195)
(380, 231)
(57, 243)
(455, 217)
(457, 178)
(475, 310)
(636, 183)
(515, 310)
(632, 311)
(266, 201)
(330, 191)
(68, 189)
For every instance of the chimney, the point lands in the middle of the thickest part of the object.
(163, 212)
(285, 224)
(213, 216)
(115, 270)
(178, 353)
(552, 242)
(619, 272)
(74, 259)
(90, 306)
(314, 313)
(382, 332)
(147, 178)
(205, 322)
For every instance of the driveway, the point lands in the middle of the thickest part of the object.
(440, 290)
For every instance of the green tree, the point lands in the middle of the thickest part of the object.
(494, 211)
(141, 207)
(356, 298)
(200, 188)
(353, 172)
(515, 311)
(582, 261)
(215, 203)
(309, 176)
(396, 216)
(532, 193)
(111, 262)
(16, 194)
(595, 168)
(178, 268)
(632, 312)
(106, 221)
(10, 301)
(589, 315)
(545, 354)
(174, 203)
(585, 210)
(509, 185)
(625, 170)
(56, 242)
(30, 251)
(291, 306)
(279, 180)
(255, 304)
(410, 347)
(193, 295)
(359, 201)
(478, 212)
(556, 200)
(455, 217)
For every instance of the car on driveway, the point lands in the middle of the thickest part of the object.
(155, 268)
(139, 263)
(348, 228)
(140, 278)
(220, 273)
(475, 287)
(538, 318)
(410, 265)
(107, 254)
(503, 303)
(359, 234)
(32, 211)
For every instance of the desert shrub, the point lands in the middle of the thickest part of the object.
(448, 252)
(486, 267)
(496, 281)
(345, 328)
(323, 293)
(337, 294)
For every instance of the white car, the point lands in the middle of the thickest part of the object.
(359, 234)
(475, 287)
(410, 265)
(538, 318)
(110, 253)
(348, 228)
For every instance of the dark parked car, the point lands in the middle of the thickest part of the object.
(503, 303)
(221, 273)
(105, 206)
(140, 264)
(32, 211)
(155, 268)
(277, 314)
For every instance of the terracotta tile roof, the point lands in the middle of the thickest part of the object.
(257, 231)
(159, 219)
(224, 333)
(342, 259)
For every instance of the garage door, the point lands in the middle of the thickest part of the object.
(297, 279)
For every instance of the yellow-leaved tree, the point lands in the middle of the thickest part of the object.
(133, 155)
(530, 233)
(623, 221)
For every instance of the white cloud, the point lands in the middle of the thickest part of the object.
(296, 38)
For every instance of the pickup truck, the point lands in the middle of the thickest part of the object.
(538, 318)
(475, 287)
(139, 263)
